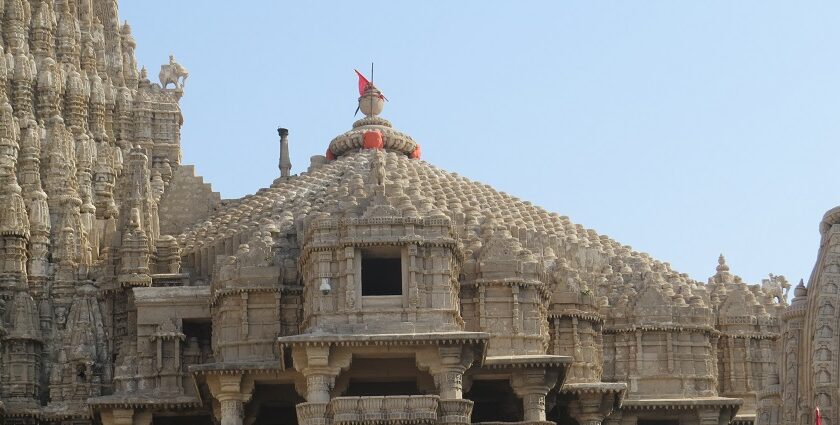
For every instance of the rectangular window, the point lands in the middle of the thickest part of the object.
(381, 272)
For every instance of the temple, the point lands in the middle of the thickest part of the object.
(373, 288)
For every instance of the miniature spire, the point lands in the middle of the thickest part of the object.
(285, 163)
(722, 266)
(722, 275)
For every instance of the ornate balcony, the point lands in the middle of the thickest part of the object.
(415, 409)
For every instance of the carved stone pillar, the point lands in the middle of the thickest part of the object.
(594, 402)
(447, 365)
(450, 374)
(126, 417)
(532, 385)
(319, 367)
(121, 417)
(708, 417)
(232, 392)
(231, 410)
(319, 384)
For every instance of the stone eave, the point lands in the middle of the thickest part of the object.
(750, 335)
(478, 339)
(131, 401)
(613, 329)
(579, 314)
(171, 295)
(595, 388)
(619, 388)
(222, 292)
(526, 361)
(232, 368)
(65, 414)
(419, 240)
(743, 420)
(682, 403)
(14, 410)
(508, 281)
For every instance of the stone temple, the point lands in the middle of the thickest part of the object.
(374, 288)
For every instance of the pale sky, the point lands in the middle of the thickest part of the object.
(685, 129)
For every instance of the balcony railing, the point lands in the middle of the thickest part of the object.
(413, 410)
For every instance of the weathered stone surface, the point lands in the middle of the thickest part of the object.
(373, 288)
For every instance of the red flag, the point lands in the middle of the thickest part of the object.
(363, 82)
(817, 417)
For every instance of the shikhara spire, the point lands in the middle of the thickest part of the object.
(85, 139)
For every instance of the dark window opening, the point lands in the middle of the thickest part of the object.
(494, 401)
(81, 374)
(381, 273)
(199, 334)
(368, 389)
(275, 404)
(181, 420)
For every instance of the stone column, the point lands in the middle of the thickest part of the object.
(708, 417)
(231, 391)
(126, 417)
(446, 364)
(121, 417)
(449, 376)
(592, 407)
(319, 384)
(532, 385)
(231, 410)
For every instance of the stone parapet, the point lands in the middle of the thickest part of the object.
(408, 409)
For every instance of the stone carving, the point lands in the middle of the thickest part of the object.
(173, 73)
(105, 316)
(377, 169)
(777, 287)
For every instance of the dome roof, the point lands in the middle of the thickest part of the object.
(347, 186)
(342, 187)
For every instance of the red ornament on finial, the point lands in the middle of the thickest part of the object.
(415, 154)
(373, 140)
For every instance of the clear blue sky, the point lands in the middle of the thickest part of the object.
(682, 128)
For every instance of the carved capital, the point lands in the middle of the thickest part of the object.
(532, 385)
(235, 387)
(319, 384)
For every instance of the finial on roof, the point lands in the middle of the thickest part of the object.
(371, 99)
(285, 163)
(371, 102)
(722, 266)
(800, 290)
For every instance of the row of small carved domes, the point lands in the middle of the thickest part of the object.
(474, 208)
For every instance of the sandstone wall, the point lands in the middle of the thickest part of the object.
(188, 200)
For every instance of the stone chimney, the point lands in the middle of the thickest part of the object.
(285, 163)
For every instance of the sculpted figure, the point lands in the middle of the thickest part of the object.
(776, 287)
(173, 73)
(377, 168)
